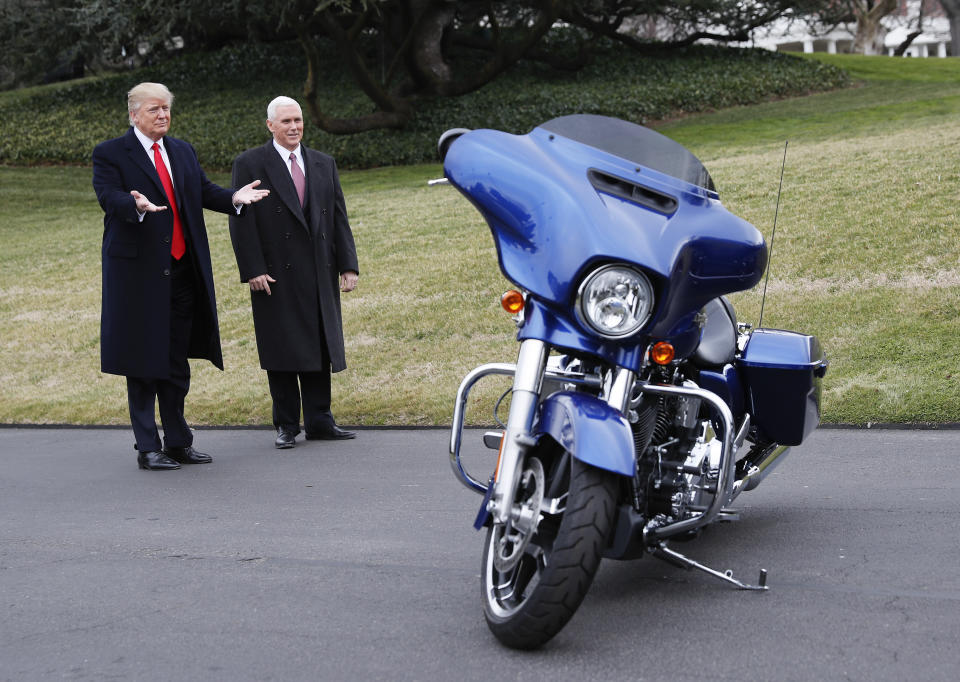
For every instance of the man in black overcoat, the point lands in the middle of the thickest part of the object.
(296, 251)
(158, 305)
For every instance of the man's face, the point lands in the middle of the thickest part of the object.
(152, 118)
(287, 126)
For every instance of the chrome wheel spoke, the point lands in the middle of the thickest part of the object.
(513, 586)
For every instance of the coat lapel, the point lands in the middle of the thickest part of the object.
(142, 161)
(281, 182)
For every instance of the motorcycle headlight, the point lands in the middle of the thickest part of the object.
(615, 301)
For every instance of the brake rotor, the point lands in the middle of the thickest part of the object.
(510, 541)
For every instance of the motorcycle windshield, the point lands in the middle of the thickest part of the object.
(634, 143)
(583, 190)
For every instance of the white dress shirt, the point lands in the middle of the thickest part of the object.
(285, 155)
(148, 148)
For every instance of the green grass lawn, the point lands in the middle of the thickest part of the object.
(867, 256)
(867, 252)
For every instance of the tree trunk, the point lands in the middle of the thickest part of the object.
(955, 36)
(427, 46)
(870, 33)
(391, 112)
(505, 54)
(952, 8)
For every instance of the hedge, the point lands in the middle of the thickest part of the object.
(220, 101)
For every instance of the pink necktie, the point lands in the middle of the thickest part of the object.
(177, 246)
(298, 180)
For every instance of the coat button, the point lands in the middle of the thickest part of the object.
(324, 211)
(286, 235)
(287, 266)
(278, 210)
(166, 272)
(323, 235)
(166, 240)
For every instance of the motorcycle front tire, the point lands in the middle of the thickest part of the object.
(559, 571)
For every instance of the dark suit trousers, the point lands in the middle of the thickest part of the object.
(291, 389)
(144, 394)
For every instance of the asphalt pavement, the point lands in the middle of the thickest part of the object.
(357, 560)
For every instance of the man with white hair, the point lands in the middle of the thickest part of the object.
(158, 301)
(293, 249)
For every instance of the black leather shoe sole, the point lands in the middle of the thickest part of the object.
(337, 434)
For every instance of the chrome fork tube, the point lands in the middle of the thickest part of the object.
(621, 390)
(527, 382)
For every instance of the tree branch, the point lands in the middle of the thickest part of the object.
(391, 112)
(559, 62)
(611, 30)
(505, 54)
(902, 47)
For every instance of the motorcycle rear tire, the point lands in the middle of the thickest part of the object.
(566, 568)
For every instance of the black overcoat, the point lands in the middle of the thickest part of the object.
(135, 313)
(305, 250)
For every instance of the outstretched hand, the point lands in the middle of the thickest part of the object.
(144, 205)
(248, 194)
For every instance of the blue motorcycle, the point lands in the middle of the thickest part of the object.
(640, 408)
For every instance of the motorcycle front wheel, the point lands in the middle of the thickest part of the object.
(533, 582)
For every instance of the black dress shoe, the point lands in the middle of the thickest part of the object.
(285, 439)
(156, 461)
(187, 455)
(331, 433)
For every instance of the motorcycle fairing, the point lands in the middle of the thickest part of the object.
(551, 225)
(589, 429)
(560, 332)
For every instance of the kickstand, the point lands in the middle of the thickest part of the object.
(661, 551)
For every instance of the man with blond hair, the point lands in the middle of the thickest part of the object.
(158, 301)
(294, 249)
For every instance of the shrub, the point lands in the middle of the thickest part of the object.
(221, 101)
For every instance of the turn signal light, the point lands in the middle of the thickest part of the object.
(512, 301)
(662, 353)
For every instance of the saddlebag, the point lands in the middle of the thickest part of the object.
(783, 371)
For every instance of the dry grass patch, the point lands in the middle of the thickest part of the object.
(867, 256)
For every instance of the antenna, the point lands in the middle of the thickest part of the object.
(773, 235)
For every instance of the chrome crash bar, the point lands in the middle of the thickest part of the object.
(728, 457)
(727, 486)
(459, 410)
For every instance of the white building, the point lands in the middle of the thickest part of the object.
(797, 36)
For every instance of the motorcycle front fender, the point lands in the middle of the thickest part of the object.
(589, 429)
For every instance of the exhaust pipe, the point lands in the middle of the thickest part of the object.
(758, 463)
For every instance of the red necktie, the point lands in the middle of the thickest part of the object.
(177, 246)
(298, 180)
